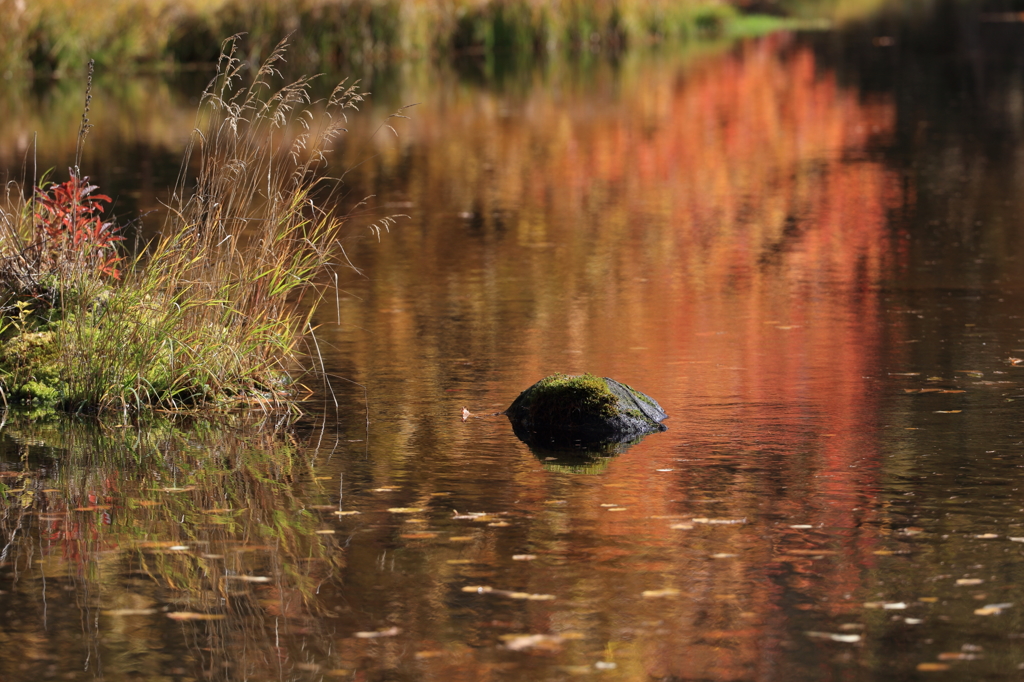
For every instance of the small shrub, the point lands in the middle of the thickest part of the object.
(215, 310)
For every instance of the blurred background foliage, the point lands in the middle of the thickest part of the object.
(55, 37)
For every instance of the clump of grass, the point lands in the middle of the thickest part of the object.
(215, 311)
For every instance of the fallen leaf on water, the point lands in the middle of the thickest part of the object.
(932, 667)
(418, 536)
(969, 581)
(405, 510)
(385, 489)
(523, 642)
(802, 526)
(948, 411)
(835, 637)
(655, 594)
(928, 600)
(525, 595)
(389, 632)
(719, 522)
(459, 562)
(468, 515)
(889, 606)
(681, 526)
(461, 538)
(466, 414)
(190, 615)
(912, 621)
(345, 513)
(724, 555)
(904, 374)
(248, 578)
(1015, 539)
(616, 509)
(1016, 362)
(957, 656)
(986, 536)
(325, 531)
(484, 589)
(421, 655)
(178, 548)
(991, 609)
(322, 478)
(523, 557)
(129, 612)
(499, 524)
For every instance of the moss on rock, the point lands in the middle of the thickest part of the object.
(567, 410)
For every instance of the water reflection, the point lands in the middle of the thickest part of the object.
(761, 240)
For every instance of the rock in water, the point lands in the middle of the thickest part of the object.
(585, 410)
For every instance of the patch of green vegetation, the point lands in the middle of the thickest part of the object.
(212, 312)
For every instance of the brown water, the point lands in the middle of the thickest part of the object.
(806, 248)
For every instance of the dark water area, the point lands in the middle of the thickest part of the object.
(806, 247)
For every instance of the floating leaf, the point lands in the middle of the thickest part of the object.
(418, 536)
(802, 526)
(932, 667)
(248, 578)
(325, 531)
(461, 538)
(656, 594)
(459, 562)
(890, 606)
(129, 612)
(724, 555)
(719, 522)
(191, 615)
(346, 513)
(681, 526)
(991, 609)
(523, 642)
(389, 632)
(405, 510)
(969, 581)
(523, 557)
(835, 637)
(948, 411)
(986, 536)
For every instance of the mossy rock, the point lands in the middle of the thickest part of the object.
(583, 411)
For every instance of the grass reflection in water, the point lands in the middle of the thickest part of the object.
(182, 547)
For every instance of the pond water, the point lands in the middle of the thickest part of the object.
(806, 247)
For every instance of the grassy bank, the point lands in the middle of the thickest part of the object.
(57, 36)
(215, 310)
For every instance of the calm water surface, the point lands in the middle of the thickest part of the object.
(807, 248)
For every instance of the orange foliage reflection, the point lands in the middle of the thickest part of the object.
(714, 235)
